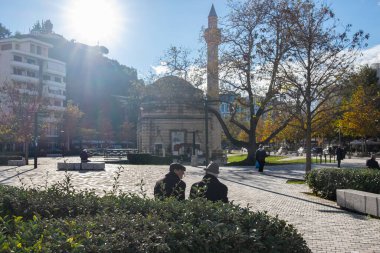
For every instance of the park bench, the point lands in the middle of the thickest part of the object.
(81, 166)
(360, 201)
(21, 162)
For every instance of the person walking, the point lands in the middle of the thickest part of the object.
(372, 163)
(260, 157)
(339, 155)
(171, 185)
(210, 187)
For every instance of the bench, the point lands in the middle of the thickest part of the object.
(21, 162)
(81, 166)
(363, 202)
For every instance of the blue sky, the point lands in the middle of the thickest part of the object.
(137, 32)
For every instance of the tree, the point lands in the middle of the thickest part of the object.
(20, 106)
(4, 32)
(178, 61)
(253, 46)
(320, 59)
(71, 122)
(361, 115)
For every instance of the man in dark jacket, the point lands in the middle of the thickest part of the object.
(210, 187)
(372, 163)
(171, 185)
(340, 153)
(260, 157)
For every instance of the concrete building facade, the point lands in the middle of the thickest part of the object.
(26, 65)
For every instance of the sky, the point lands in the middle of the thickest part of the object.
(137, 32)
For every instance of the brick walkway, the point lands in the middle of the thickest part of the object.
(325, 226)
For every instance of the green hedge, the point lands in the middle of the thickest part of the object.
(148, 159)
(60, 220)
(4, 159)
(324, 182)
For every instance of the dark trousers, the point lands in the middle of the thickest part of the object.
(261, 166)
(339, 163)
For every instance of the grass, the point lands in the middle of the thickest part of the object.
(273, 160)
(295, 181)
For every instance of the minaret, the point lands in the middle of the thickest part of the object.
(213, 37)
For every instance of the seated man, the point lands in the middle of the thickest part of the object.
(372, 163)
(171, 185)
(210, 187)
(84, 156)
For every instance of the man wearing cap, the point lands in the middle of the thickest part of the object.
(210, 187)
(171, 185)
(260, 157)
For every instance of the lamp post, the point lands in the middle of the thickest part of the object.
(206, 129)
(35, 138)
(63, 142)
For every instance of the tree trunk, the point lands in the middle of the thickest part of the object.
(308, 138)
(26, 148)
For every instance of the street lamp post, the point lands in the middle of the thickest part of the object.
(206, 129)
(35, 138)
(63, 142)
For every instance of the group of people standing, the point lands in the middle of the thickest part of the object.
(209, 187)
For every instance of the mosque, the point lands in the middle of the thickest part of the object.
(173, 118)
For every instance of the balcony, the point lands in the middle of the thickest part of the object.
(55, 108)
(55, 84)
(52, 95)
(25, 65)
(55, 71)
(26, 79)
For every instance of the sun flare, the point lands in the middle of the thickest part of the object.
(94, 21)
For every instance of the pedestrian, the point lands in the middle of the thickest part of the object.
(372, 163)
(84, 156)
(260, 157)
(171, 185)
(210, 187)
(339, 155)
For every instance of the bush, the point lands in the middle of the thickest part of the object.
(4, 159)
(148, 159)
(32, 221)
(324, 182)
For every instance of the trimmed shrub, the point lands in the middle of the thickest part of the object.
(128, 223)
(325, 182)
(4, 159)
(148, 159)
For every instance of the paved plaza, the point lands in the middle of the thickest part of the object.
(324, 226)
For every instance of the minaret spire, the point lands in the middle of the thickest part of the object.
(213, 38)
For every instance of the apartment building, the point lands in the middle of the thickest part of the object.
(25, 64)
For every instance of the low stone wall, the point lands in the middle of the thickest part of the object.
(363, 202)
(21, 162)
(81, 166)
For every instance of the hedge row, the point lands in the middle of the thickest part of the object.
(148, 159)
(325, 182)
(60, 220)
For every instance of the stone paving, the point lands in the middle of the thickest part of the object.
(324, 226)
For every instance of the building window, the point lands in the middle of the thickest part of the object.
(17, 71)
(32, 48)
(31, 73)
(46, 77)
(57, 103)
(6, 47)
(31, 61)
(18, 46)
(38, 50)
(17, 58)
(57, 79)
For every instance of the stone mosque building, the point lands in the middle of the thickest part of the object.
(172, 116)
